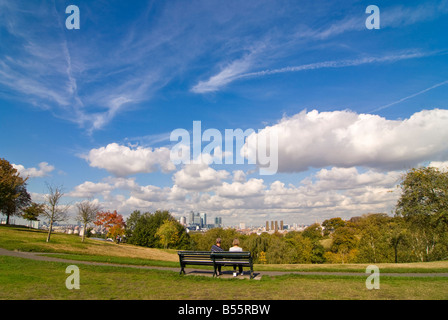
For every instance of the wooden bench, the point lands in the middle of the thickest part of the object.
(215, 259)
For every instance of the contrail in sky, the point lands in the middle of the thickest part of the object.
(411, 96)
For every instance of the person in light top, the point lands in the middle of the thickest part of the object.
(235, 248)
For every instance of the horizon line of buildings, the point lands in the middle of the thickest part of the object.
(198, 222)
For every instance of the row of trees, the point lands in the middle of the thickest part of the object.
(417, 232)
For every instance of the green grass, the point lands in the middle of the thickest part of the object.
(28, 279)
(29, 240)
(115, 260)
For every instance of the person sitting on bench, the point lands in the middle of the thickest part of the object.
(236, 248)
(215, 248)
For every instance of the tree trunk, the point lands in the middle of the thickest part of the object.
(84, 232)
(49, 230)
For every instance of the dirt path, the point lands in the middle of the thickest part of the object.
(203, 272)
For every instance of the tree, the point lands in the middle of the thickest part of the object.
(54, 211)
(13, 194)
(375, 244)
(33, 211)
(262, 258)
(314, 232)
(344, 244)
(131, 222)
(280, 251)
(424, 206)
(87, 211)
(332, 224)
(397, 235)
(168, 233)
(145, 232)
(116, 232)
(112, 222)
(204, 241)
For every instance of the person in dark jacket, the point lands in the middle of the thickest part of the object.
(217, 247)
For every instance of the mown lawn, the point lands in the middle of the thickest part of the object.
(29, 240)
(23, 279)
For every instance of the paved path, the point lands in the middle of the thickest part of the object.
(204, 272)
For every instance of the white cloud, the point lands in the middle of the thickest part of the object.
(253, 187)
(327, 193)
(239, 176)
(151, 193)
(89, 189)
(348, 139)
(199, 177)
(238, 69)
(343, 192)
(441, 165)
(225, 76)
(336, 64)
(44, 170)
(122, 160)
(350, 178)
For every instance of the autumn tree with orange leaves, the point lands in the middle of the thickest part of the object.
(112, 222)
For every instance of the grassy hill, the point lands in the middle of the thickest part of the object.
(28, 279)
(31, 240)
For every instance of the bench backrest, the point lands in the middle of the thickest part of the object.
(226, 256)
(192, 256)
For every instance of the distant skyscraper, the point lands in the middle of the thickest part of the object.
(218, 222)
(203, 219)
(197, 218)
(267, 225)
(281, 224)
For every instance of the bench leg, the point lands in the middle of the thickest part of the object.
(182, 270)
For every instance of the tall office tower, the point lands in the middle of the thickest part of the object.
(267, 225)
(183, 221)
(191, 217)
(276, 226)
(218, 222)
(203, 219)
(197, 219)
(281, 224)
(272, 225)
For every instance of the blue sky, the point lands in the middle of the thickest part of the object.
(92, 109)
